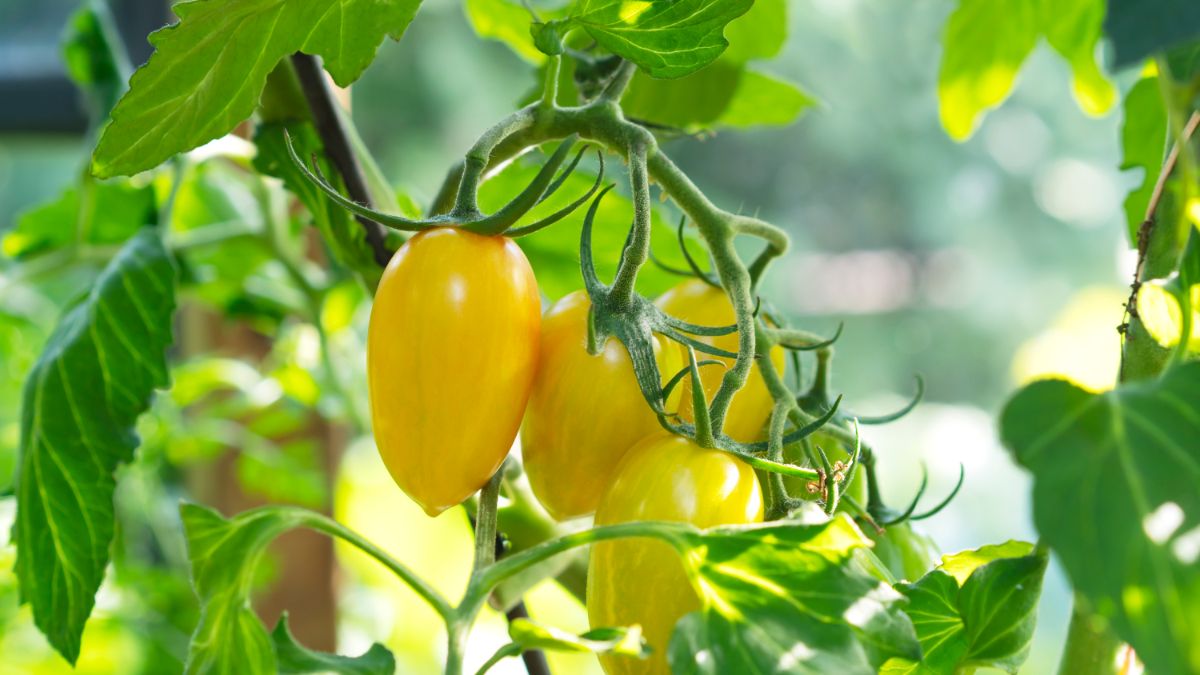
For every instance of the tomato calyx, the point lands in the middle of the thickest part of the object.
(465, 213)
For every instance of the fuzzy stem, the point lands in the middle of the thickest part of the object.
(638, 250)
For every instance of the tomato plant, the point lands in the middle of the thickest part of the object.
(233, 241)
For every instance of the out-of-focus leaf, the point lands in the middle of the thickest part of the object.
(987, 41)
(786, 597)
(81, 401)
(1140, 28)
(763, 99)
(230, 639)
(1115, 496)
(978, 609)
(665, 39)
(1143, 137)
(508, 22)
(95, 58)
(296, 659)
(93, 213)
(208, 70)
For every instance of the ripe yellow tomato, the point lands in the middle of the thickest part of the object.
(696, 302)
(585, 411)
(451, 354)
(642, 581)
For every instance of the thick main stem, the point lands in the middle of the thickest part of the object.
(1091, 647)
(337, 146)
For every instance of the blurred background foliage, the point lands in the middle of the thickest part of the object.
(978, 265)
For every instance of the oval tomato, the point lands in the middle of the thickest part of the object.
(697, 302)
(642, 581)
(584, 412)
(451, 354)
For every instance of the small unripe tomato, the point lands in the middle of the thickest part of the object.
(584, 412)
(642, 581)
(451, 354)
(697, 302)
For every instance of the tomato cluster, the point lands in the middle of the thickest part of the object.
(459, 354)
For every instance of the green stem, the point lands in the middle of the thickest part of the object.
(510, 649)
(638, 251)
(485, 522)
(321, 523)
(482, 583)
(467, 204)
(1091, 647)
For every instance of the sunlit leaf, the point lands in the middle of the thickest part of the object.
(987, 41)
(82, 399)
(507, 21)
(1139, 28)
(230, 639)
(207, 71)
(1115, 496)
(1161, 303)
(627, 641)
(1143, 141)
(295, 659)
(666, 38)
(977, 609)
(787, 597)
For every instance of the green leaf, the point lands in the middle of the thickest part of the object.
(1143, 139)
(82, 398)
(1140, 28)
(95, 58)
(628, 641)
(1115, 496)
(229, 638)
(978, 609)
(723, 94)
(788, 597)
(92, 213)
(508, 22)
(208, 70)
(665, 38)
(765, 100)
(987, 41)
(295, 658)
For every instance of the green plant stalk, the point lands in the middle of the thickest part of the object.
(327, 525)
(1091, 648)
(1091, 645)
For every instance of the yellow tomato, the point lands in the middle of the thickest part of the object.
(642, 581)
(696, 302)
(451, 355)
(585, 411)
